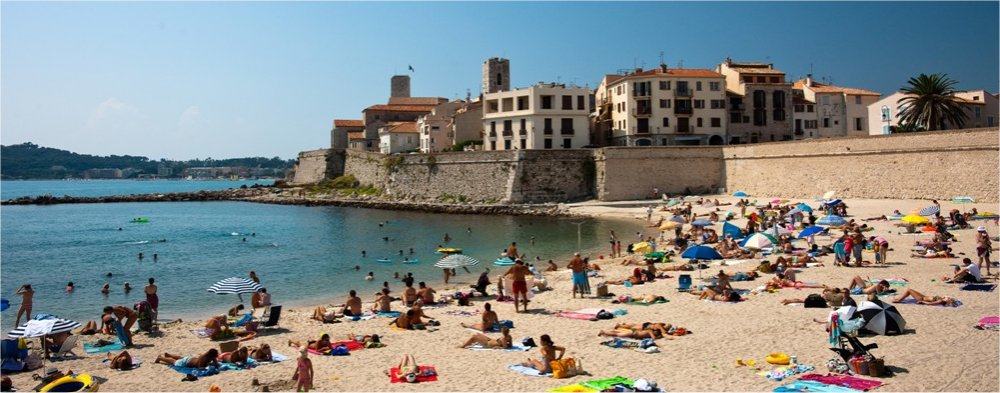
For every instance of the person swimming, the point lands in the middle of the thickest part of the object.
(128, 287)
(106, 289)
(370, 276)
(70, 287)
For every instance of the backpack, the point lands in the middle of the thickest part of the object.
(604, 315)
(815, 301)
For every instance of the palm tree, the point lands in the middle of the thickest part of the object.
(930, 102)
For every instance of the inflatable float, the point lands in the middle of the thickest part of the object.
(140, 220)
(449, 250)
(778, 358)
(505, 261)
(383, 260)
(411, 261)
(72, 383)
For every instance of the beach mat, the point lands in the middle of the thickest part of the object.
(958, 303)
(527, 371)
(92, 348)
(979, 287)
(513, 348)
(636, 303)
(394, 376)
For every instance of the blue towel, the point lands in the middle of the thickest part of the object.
(389, 314)
(812, 386)
(93, 348)
(243, 321)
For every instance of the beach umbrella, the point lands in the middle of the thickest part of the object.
(701, 252)
(846, 312)
(804, 207)
(642, 247)
(914, 219)
(829, 194)
(834, 202)
(43, 327)
(794, 211)
(759, 241)
(701, 223)
(777, 231)
(881, 318)
(732, 230)
(678, 219)
(234, 285)
(456, 260)
(809, 231)
(4, 304)
(930, 210)
(831, 220)
(668, 225)
(740, 194)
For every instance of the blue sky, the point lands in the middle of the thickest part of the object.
(185, 80)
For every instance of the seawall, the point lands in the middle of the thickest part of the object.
(926, 165)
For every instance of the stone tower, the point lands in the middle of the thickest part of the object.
(400, 86)
(496, 75)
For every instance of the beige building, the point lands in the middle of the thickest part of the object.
(663, 106)
(467, 124)
(759, 102)
(840, 111)
(434, 132)
(342, 131)
(543, 116)
(399, 137)
(806, 123)
(980, 109)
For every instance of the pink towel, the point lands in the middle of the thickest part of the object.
(846, 381)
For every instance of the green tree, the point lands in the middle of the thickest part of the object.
(930, 102)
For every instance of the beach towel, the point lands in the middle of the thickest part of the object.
(513, 348)
(243, 320)
(989, 323)
(277, 357)
(958, 303)
(527, 371)
(573, 388)
(136, 362)
(780, 373)
(979, 287)
(93, 348)
(607, 383)
(427, 374)
(812, 386)
(35, 328)
(893, 282)
(462, 313)
(576, 315)
(212, 370)
(845, 381)
(202, 332)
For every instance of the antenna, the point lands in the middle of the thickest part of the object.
(680, 63)
(661, 58)
(810, 68)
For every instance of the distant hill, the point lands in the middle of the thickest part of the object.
(30, 161)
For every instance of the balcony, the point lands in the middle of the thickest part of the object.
(508, 133)
(547, 131)
(566, 131)
(683, 110)
(522, 132)
(683, 93)
(642, 111)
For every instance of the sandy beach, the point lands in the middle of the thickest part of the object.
(941, 352)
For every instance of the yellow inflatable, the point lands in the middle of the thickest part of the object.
(72, 383)
(448, 250)
(778, 358)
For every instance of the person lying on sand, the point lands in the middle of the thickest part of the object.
(489, 320)
(368, 340)
(209, 358)
(321, 314)
(262, 353)
(321, 345)
(923, 299)
(235, 311)
(238, 356)
(550, 351)
(859, 286)
(834, 297)
(504, 342)
(931, 253)
(628, 331)
(88, 328)
(121, 361)
(724, 296)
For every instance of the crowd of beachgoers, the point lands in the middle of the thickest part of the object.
(717, 293)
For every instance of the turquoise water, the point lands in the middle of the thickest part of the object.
(302, 254)
(91, 188)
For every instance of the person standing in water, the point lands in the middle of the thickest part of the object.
(140, 256)
(27, 298)
(155, 257)
(447, 238)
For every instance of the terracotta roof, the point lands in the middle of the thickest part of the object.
(348, 123)
(401, 108)
(825, 88)
(403, 127)
(416, 100)
(356, 136)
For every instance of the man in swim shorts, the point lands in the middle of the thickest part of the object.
(581, 284)
(517, 273)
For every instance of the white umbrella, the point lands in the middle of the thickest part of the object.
(456, 260)
(881, 318)
(758, 242)
(829, 195)
(43, 327)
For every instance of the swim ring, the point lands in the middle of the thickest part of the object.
(72, 383)
(449, 250)
(505, 261)
(778, 358)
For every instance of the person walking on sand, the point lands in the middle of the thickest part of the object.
(580, 281)
(303, 372)
(519, 285)
(27, 297)
(649, 213)
(612, 243)
(983, 247)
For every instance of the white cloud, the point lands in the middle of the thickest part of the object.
(189, 117)
(113, 113)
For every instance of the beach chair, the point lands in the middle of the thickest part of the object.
(849, 347)
(66, 348)
(273, 316)
(684, 282)
(12, 356)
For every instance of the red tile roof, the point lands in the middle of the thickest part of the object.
(825, 88)
(348, 123)
(356, 136)
(416, 100)
(403, 127)
(401, 108)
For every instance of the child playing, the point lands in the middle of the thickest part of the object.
(303, 371)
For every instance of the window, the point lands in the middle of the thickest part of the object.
(523, 123)
(506, 126)
(499, 79)
(761, 79)
(663, 103)
(548, 143)
(759, 99)
(567, 126)
(858, 126)
(493, 128)
(506, 144)
(548, 126)
(810, 108)
(826, 122)
(567, 143)
(698, 122)
(718, 104)
(714, 86)
(524, 144)
(579, 103)
(522, 103)
(663, 85)
(493, 145)
(857, 100)
(799, 108)
(546, 102)
(716, 122)
(699, 104)
(775, 79)
(778, 101)
(697, 85)
(567, 102)
(747, 79)
(979, 112)
(666, 122)
(668, 84)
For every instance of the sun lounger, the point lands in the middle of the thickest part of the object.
(67, 347)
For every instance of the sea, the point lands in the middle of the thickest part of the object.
(304, 255)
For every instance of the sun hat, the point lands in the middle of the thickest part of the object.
(981, 229)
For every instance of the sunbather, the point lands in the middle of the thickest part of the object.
(724, 296)
(211, 357)
(967, 273)
(121, 361)
(922, 299)
(834, 297)
(489, 320)
(787, 280)
(550, 351)
(262, 353)
(89, 328)
(382, 301)
(504, 342)
(238, 356)
(321, 314)
(859, 286)
(321, 345)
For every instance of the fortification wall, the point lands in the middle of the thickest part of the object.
(625, 173)
(315, 165)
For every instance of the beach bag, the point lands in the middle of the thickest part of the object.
(815, 301)
(563, 368)
(529, 342)
(604, 315)
(340, 350)
(602, 290)
(876, 368)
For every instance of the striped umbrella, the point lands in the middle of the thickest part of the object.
(42, 327)
(930, 210)
(456, 260)
(235, 285)
(759, 241)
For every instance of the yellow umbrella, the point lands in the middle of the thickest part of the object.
(642, 248)
(915, 219)
(668, 225)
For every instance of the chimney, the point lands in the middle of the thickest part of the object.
(809, 80)
(663, 67)
(638, 70)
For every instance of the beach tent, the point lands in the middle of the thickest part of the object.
(881, 318)
(43, 327)
(809, 231)
(804, 207)
(740, 194)
(456, 260)
(732, 230)
(831, 220)
(930, 210)
(759, 241)
(642, 248)
(701, 252)
(914, 219)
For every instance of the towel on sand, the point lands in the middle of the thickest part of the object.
(989, 323)
(527, 371)
(427, 374)
(908, 300)
(201, 333)
(979, 287)
(513, 348)
(212, 370)
(94, 348)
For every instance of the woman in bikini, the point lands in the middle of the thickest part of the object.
(237, 357)
(504, 342)
(204, 360)
(923, 299)
(262, 354)
(121, 361)
(550, 351)
(625, 330)
(321, 345)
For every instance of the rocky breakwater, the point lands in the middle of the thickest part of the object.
(218, 195)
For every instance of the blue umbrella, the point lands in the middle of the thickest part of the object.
(701, 223)
(4, 304)
(809, 231)
(740, 194)
(832, 220)
(804, 207)
(834, 202)
(732, 230)
(701, 252)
